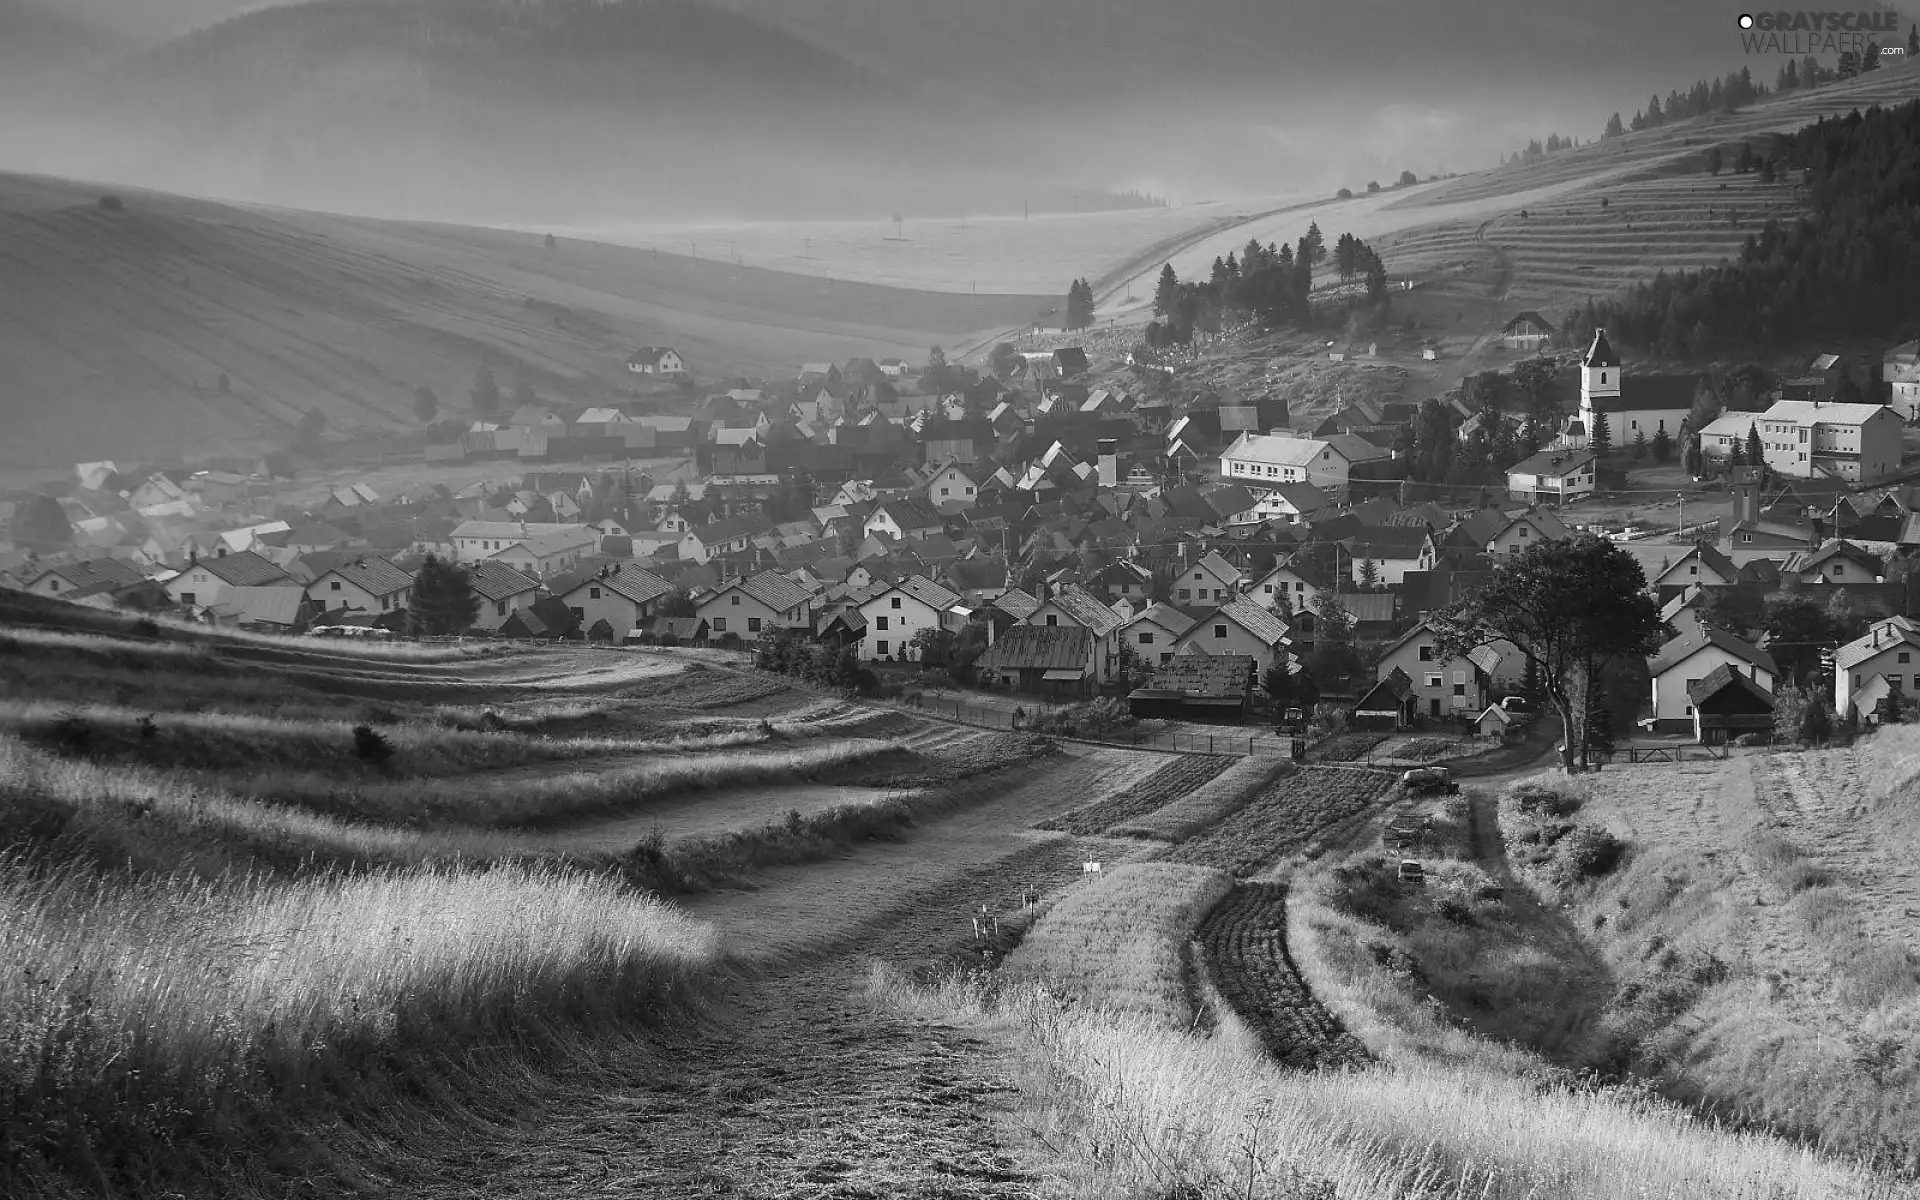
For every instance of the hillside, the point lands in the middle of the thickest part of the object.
(40, 40)
(488, 109)
(116, 327)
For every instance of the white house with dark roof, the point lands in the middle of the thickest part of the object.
(1239, 627)
(622, 595)
(659, 361)
(1691, 657)
(719, 537)
(1210, 580)
(1807, 439)
(548, 554)
(1554, 476)
(1884, 658)
(951, 487)
(757, 604)
(475, 540)
(895, 614)
(1298, 579)
(368, 583)
(1393, 550)
(1073, 605)
(1524, 529)
(904, 518)
(1441, 687)
(501, 591)
(1154, 632)
(1291, 503)
(201, 581)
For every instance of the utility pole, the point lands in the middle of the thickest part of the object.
(695, 247)
(733, 249)
(808, 243)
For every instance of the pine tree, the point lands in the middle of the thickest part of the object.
(1715, 161)
(426, 405)
(523, 393)
(444, 601)
(1600, 437)
(1613, 127)
(1756, 451)
(1316, 243)
(1640, 443)
(1737, 453)
(1913, 40)
(1662, 445)
(1369, 574)
(1166, 295)
(42, 524)
(486, 392)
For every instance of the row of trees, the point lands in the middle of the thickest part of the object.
(1852, 268)
(1736, 90)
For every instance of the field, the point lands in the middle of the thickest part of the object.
(1301, 812)
(1245, 944)
(1180, 776)
(1219, 797)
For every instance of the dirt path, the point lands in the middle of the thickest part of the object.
(801, 1088)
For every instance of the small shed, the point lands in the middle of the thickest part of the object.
(1387, 706)
(1727, 704)
(1052, 660)
(1197, 687)
(1496, 723)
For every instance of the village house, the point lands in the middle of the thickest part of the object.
(1727, 704)
(1701, 566)
(281, 610)
(1388, 705)
(950, 488)
(1524, 529)
(1884, 658)
(1691, 657)
(1900, 368)
(894, 615)
(1528, 332)
(1451, 687)
(662, 362)
(1634, 405)
(1210, 580)
(1298, 579)
(70, 580)
(623, 595)
(368, 583)
(475, 540)
(757, 604)
(1239, 627)
(1197, 686)
(1291, 503)
(201, 582)
(718, 538)
(904, 518)
(1073, 605)
(1392, 550)
(501, 591)
(549, 554)
(1153, 632)
(1554, 476)
(1837, 561)
(1124, 580)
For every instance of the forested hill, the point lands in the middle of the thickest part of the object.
(1850, 270)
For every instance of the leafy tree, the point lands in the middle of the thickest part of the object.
(426, 405)
(1600, 437)
(1344, 194)
(1707, 405)
(1408, 179)
(311, 427)
(1004, 359)
(1816, 719)
(1573, 608)
(1373, 187)
(1797, 630)
(1277, 683)
(1662, 445)
(1600, 726)
(550, 242)
(677, 603)
(42, 524)
(444, 601)
(486, 392)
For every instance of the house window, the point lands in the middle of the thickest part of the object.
(1856, 677)
(719, 624)
(1166, 656)
(336, 585)
(896, 602)
(1426, 654)
(946, 491)
(1197, 576)
(753, 624)
(1903, 656)
(1186, 593)
(578, 614)
(880, 647)
(500, 608)
(1146, 639)
(593, 593)
(1052, 620)
(187, 598)
(879, 622)
(1434, 681)
(1459, 689)
(1219, 631)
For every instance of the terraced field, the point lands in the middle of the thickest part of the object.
(1296, 813)
(1244, 942)
(1178, 777)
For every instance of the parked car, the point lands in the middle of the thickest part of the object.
(1430, 781)
(1516, 704)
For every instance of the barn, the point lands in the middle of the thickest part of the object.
(1387, 706)
(1197, 687)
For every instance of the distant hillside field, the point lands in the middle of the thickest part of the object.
(116, 327)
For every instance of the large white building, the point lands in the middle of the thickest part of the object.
(1900, 367)
(1267, 460)
(1807, 439)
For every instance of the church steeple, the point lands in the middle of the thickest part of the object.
(1601, 354)
(1599, 373)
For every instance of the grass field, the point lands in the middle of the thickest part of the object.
(1301, 813)
(1219, 797)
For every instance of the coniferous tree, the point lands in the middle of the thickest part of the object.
(1166, 295)
(1640, 443)
(426, 405)
(486, 392)
(1756, 451)
(1613, 127)
(1661, 445)
(1600, 437)
(1315, 243)
(42, 524)
(1913, 41)
(444, 601)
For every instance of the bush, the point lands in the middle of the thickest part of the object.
(71, 735)
(112, 203)
(1589, 852)
(146, 627)
(370, 746)
(1090, 719)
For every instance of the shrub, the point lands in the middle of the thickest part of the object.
(1589, 852)
(370, 746)
(146, 627)
(71, 735)
(1089, 719)
(112, 203)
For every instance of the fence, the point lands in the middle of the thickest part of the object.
(1225, 742)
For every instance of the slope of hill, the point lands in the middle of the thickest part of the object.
(39, 42)
(115, 328)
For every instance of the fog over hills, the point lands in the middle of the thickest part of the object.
(650, 109)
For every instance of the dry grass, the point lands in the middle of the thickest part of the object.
(1220, 797)
(166, 1016)
(1114, 944)
(1129, 1107)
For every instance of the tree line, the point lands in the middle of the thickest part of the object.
(1848, 269)
(1271, 284)
(1735, 90)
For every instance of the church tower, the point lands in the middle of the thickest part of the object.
(1599, 380)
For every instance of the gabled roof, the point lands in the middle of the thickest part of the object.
(910, 512)
(495, 580)
(1722, 677)
(1396, 684)
(1166, 616)
(1689, 644)
(1553, 463)
(1265, 627)
(1016, 604)
(1600, 353)
(727, 531)
(634, 583)
(774, 590)
(1081, 605)
(244, 568)
(1389, 542)
(1041, 648)
(1545, 520)
(266, 605)
(1214, 562)
(1884, 636)
(1709, 556)
(920, 588)
(372, 574)
(94, 571)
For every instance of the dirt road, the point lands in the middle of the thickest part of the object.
(800, 1087)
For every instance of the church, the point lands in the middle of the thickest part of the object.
(1639, 404)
